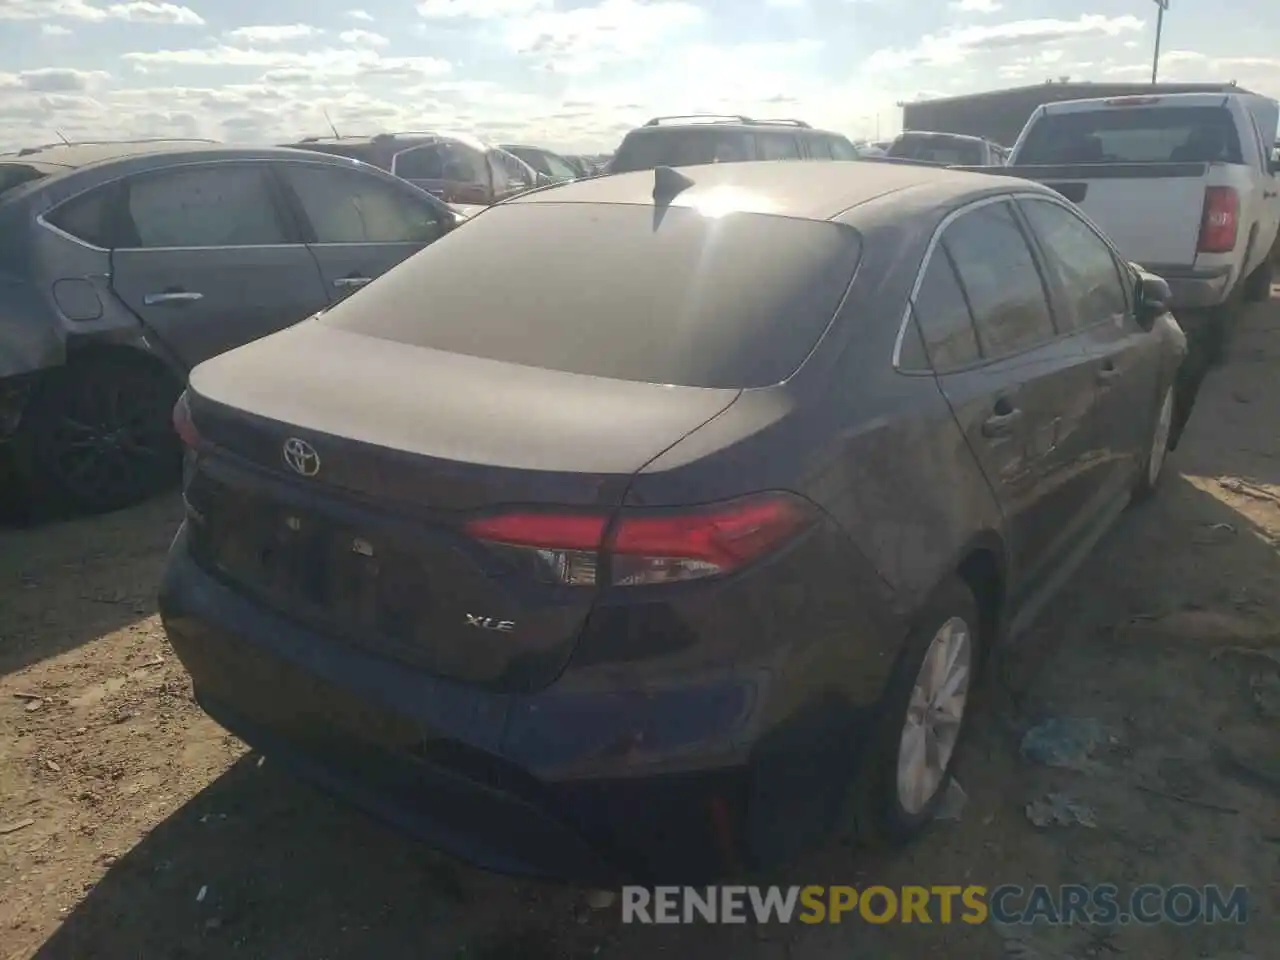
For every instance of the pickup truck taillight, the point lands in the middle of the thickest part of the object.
(1220, 222)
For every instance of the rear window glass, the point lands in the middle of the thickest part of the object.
(736, 301)
(1133, 135)
(366, 152)
(938, 150)
(14, 175)
(685, 146)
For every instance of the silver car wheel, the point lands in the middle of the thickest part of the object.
(1160, 438)
(934, 715)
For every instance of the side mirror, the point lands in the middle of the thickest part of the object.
(1153, 296)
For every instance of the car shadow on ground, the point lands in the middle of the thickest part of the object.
(257, 865)
(68, 583)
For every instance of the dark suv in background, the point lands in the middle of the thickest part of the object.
(947, 149)
(691, 140)
(123, 265)
(454, 168)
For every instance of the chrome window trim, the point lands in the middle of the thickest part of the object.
(932, 246)
(341, 163)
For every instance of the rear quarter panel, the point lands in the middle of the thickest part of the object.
(37, 328)
(877, 450)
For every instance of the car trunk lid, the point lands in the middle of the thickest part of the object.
(363, 538)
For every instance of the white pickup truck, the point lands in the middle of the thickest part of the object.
(1184, 184)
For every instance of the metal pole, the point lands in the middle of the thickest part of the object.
(1161, 6)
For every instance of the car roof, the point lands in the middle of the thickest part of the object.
(77, 156)
(922, 134)
(753, 126)
(408, 137)
(811, 191)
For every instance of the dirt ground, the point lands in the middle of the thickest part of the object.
(133, 827)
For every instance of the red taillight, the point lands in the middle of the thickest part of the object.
(183, 425)
(646, 547)
(1220, 223)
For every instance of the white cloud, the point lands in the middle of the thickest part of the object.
(363, 38)
(53, 30)
(479, 9)
(273, 33)
(955, 46)
(51, 80)
(362, 15)
(583, 39)
(976, 6)
(137, 11)
(293, 66)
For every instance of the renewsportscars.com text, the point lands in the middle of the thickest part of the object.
(1104, 904)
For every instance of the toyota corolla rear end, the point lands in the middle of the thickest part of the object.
(449, 551)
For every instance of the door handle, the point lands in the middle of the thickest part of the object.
(1107, 373)
(343, 282)
(171, 296)
(1001, 423)
(1268, 194)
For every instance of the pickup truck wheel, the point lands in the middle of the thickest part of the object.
(1153, 463)
(1257, 286)
(97, 435)
(906, 770)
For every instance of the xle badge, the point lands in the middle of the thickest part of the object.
(489, 623)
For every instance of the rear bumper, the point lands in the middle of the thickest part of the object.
(484, 775)
(1195, 289)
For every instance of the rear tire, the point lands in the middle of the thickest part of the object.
(924, 716)
(1257, 286)
(97, 435)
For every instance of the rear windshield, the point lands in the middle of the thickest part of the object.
(685, 146)
(14, 175)
(938, 150)
(1136, 134)
(674, 297)
(366, 152)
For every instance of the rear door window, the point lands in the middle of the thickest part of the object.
(1082, 261)
(777, 146)
(420, 163)
(207, 205)
(733, 302)
(842, 149)
(347, 206)
(1001, 281)
(1133, 134)
(942, 313)
(88, 217)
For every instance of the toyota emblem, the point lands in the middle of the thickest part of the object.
(301, 457)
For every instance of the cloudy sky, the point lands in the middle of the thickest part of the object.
(573, 74)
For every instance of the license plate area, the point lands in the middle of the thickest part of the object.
(344, 582)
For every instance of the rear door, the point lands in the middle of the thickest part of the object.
(1097, 298)
(208, 259)
(357, 225)
(1019, 388)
